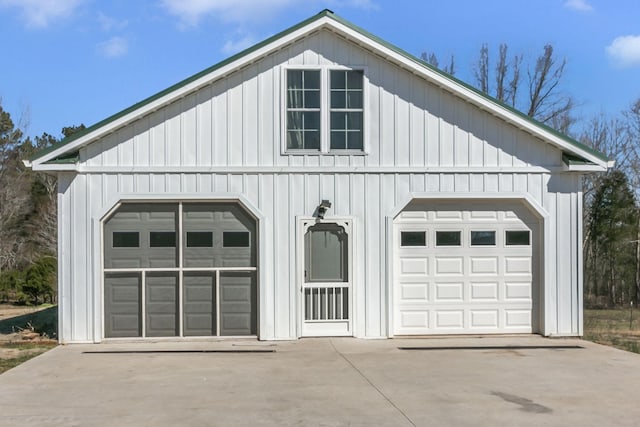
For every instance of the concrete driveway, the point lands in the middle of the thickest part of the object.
(515, 381)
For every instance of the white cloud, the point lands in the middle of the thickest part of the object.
(625, 50)
(239, 11)
(108, 23)
(235, 46)
(114, 47)
(579, 5)
(191, 12)
(39, 13)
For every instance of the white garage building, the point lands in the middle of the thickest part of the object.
(322, 182)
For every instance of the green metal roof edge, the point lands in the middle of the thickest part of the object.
(327, 13)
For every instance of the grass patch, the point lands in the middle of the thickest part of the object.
(613, 327)
(21, 352)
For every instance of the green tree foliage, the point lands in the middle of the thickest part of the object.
(28, 212)
(40, 280)
(612, 230)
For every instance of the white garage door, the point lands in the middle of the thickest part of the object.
(464, 268)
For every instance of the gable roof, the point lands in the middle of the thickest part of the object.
(62, 155)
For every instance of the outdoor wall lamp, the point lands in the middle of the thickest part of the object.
(322, 209)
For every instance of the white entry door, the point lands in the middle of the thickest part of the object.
(326, 278)
(464, 270)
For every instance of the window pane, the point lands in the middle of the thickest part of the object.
(126, 239)
(312, 140)
(354, 121)
(483, 238)
(518, 238)
(338, 99)
(338, 140)
(338, 121)
(354, 99)
(162, 239)
(354, 140)
(199, 239)
(413, 238)
(311, 79)
(294, 79)
(311, 120)
(338, 80)
(311, 99)
(354, 79)
(235, 239)
(294, 139)
(448, 238)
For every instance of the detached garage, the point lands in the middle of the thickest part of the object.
(320, 183)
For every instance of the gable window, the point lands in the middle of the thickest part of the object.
(324, 110)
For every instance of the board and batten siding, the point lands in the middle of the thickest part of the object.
(237, 122)
(282, 197)
(226, 139)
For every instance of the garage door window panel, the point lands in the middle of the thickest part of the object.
(413, 238)
(126, 239)
(517, 238)
(448, 238)
(235, 239)
(483, 238)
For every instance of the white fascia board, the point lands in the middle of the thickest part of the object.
(585, 168)
(55, 167)
(184, 90)
(465, 93)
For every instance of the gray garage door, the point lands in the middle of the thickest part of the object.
(180, 269)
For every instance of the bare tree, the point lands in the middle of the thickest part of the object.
(481, 70)
(544, 100)
(432, 59)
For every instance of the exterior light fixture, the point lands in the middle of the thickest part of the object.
(322, 209)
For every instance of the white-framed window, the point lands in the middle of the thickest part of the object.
(324, 110)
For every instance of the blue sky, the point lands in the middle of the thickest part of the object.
(67, 62)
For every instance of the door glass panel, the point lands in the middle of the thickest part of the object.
(326, 253)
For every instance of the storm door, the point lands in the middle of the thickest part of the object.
(326, 283)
